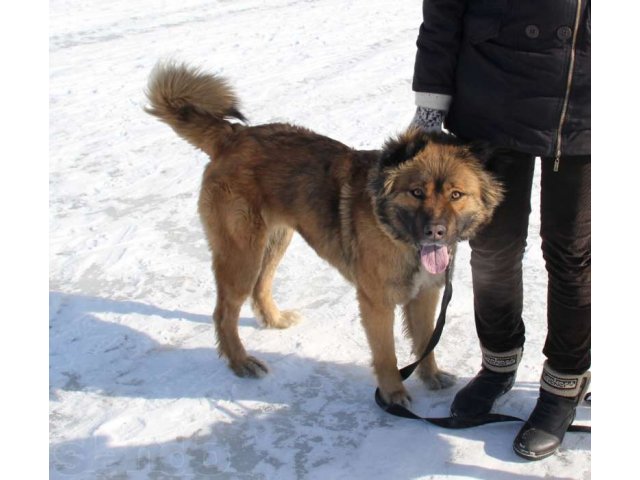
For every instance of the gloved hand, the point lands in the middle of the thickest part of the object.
(428, 120)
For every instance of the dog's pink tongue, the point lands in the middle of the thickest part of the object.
(434, 258)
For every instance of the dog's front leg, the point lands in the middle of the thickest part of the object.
(419, 316)
(377, 318)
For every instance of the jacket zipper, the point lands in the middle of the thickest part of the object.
(565, 105)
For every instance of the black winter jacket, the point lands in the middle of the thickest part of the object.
(519, 71)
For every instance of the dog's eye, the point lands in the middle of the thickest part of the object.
(418, 193)
(455, 195)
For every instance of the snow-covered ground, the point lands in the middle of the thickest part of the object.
(136, 387)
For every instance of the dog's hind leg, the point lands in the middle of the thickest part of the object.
(237, 262)
(419, 315)
(262, 300)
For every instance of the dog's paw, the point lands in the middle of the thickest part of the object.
(439, 380)
(286, 319)
(400, 397)
(250, 367)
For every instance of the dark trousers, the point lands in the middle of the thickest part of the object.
(497, 251)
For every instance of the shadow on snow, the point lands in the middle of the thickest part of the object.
(308, 409)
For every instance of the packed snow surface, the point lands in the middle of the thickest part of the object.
(137, 389)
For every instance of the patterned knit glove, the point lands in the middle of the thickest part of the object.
(428, 120)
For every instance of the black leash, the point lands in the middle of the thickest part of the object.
(449, 422)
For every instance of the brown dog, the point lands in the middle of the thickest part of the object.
(388, 221)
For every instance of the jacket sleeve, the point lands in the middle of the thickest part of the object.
(438, 44)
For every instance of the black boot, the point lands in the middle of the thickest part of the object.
(479, 395)
(497, 376)
(554, 412)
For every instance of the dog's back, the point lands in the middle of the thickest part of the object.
(278, 173)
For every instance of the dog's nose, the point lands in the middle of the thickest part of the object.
(435, 231)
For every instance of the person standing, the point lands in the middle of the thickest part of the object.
(517, 74)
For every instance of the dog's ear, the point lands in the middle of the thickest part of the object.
(404, 147)
(482, 150)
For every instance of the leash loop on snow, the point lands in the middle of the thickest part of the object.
(448, 422)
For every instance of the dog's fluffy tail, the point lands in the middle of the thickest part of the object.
(195, 104)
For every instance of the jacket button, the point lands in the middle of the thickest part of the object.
(564, 33)
(532, 31)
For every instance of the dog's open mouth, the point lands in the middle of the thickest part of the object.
(434, 258)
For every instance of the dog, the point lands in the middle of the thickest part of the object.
(387, 220)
